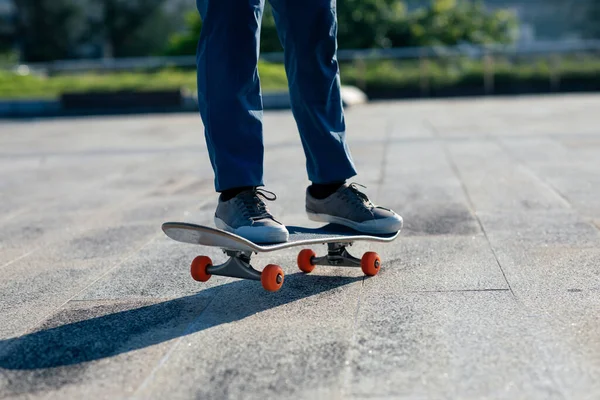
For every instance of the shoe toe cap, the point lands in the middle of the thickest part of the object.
(264, 232)
(387, 220)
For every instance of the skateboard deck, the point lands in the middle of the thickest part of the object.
(240, 250)
(299, 236)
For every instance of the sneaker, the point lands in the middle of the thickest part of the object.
(246, 215)
(350, 207)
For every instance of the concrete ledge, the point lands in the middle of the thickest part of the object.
(72, 104)
(29, 108)
(351, 96)
(122, 100)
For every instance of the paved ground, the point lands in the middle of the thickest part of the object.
(492, 291)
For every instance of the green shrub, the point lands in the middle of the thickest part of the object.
(381, 78)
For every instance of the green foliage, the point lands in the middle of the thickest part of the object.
(131, 27)
(448, 23)
(13, 85)
(185, 43)
(48, 29)
(269, 40)
(151, 37)
(54, 29)
(386, 23)
(381, 78)
(9, 58)
(368, 23)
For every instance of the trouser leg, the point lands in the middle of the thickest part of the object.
(308, 32)
(229, 94)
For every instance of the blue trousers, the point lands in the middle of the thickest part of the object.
(230, 97)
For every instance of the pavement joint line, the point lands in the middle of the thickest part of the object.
(27, 208)
(196, 149)
(592, 221)
(19, 258)
(483, 230)
(528, 169)
(108, 152)
(169, 352)
(14, 214)
(153, 238)
(479, 138)
(104, 213)
(109, 211)
(470, 201)
(384, 157)
(546, 183)
(458, 290)
(118, 264)
(347, 374)
(539, 343)
(116, 175)
(124, 300)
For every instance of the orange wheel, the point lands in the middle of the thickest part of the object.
(305, 260)
(199, 268)
(370, 263)
(272, 278)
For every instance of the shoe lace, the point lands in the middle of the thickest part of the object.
(359, 196)
(253, 206)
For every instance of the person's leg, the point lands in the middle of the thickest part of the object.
(229, 94)
(230, 102)
(307, 30)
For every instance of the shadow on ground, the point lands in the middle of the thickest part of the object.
(62, 342)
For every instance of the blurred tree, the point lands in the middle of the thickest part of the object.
(269, 40)
(131, 27)
(48, 29)
(367, 23)
(591, 25)
(8, 29)
(185, 42)
(385, 23)
(362, 24)
(448, 22)
(56, 29)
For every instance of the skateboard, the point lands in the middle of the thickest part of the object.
(239, 250)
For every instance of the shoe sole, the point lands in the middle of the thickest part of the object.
(380, 226)
(256, 234)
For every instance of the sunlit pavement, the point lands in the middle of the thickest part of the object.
(491, 291)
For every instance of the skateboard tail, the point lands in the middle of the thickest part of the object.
(188, 233)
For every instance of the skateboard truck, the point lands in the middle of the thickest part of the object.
(238, 266)
(272, 276)
(337, 255)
